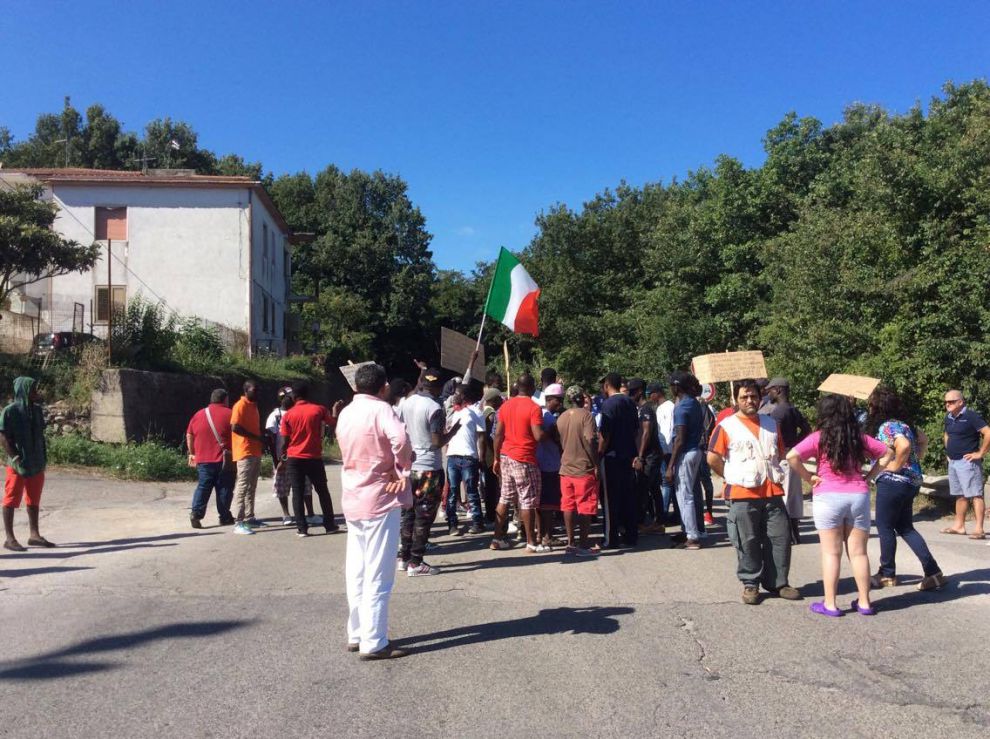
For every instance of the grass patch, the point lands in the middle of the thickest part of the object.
(150, 461)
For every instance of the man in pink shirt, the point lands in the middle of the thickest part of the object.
(377, 458)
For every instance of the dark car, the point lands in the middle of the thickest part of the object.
(60, 341)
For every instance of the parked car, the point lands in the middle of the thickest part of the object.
(60, 341)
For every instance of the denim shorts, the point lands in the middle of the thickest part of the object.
(965, 478)
(835, 510)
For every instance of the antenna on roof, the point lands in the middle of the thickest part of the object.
(144, 159)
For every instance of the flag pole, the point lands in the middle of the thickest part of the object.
(484, 310)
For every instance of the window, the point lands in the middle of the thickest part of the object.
(274, 332)
(111, 223)
(271, 272)
(102, 310)
(264, 313)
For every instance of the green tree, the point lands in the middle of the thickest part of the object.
(30, 250)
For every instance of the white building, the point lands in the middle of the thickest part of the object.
(215, 248)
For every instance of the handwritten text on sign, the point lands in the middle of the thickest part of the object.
(349, 370)
(729, 366)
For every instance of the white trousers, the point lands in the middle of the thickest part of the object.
(370, 575)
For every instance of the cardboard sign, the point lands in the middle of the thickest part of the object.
(729, 366)
(854, 385)
(455, 353)
(349, 370)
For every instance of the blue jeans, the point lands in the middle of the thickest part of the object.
(213, 475)
(689, 498)
(666, 492)
(463, 468)
(895, 514)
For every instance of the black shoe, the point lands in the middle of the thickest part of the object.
(195, 522)
(476, 529)
(227, 521)
(333, 529)
(453, 530)
(388, 652)
(353, 646)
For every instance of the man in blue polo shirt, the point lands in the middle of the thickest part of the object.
(967, 441)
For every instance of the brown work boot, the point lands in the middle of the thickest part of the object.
(751, 595)
(932, 582)
(789, 593)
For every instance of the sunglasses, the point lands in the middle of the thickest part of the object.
(953, 402)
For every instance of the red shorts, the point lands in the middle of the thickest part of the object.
(17, 487)
(579, 494)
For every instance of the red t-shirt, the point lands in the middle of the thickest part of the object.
(518, 415)
(303, 425)
(205, 447)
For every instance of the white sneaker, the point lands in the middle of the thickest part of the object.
(242, 528)
(288, 521)
(512, 528)
(421, 569)
(314, 520)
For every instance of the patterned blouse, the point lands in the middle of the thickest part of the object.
(911, 472)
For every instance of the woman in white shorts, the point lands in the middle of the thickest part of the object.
(841, 496)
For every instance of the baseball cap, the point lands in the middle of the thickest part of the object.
(654, 387)
(432, 375)
(492, 393)
(778, 382)
(556, 390)
(282, 392)
(575, 391)
(635, 385)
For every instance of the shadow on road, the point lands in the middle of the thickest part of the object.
(960, 585)
(136, 540)
(549, 621)
(61, 553)
(51, 665)
(39, 571)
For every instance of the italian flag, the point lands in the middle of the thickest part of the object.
(513, 294)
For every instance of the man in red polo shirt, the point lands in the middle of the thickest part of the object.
(302, 437)
(207, 437)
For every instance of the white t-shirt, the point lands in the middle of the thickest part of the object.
(274, 419)
(465, 441)
(665, 424)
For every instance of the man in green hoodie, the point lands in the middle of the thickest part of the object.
(22, 433)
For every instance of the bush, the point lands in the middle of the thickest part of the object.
(144, 335)
(198, 347)
(151, 460)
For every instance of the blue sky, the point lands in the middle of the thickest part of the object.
(491, 111)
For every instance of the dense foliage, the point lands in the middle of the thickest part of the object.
(858, 247)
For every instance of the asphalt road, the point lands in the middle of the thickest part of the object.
(138, 626)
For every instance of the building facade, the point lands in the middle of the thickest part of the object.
(207, 247)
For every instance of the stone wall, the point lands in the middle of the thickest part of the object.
(131, 405)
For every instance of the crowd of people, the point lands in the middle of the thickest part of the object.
(535, 462)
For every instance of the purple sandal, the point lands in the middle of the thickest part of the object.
(871, 611)
(822, 610)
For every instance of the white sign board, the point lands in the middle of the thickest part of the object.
(349, 370)
(729, 366)
(455, 353)
(850, 385)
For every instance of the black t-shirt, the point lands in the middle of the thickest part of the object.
(648, 413)
(792, 424)
(963, 432)
(620, 419)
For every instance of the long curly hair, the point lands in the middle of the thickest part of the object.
(884, 405)
(841, 441)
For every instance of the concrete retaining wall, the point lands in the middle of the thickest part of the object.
(131, 405)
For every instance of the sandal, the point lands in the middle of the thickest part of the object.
(499, 545)
(40, 542)
(978, 535)
(821, 609)
(952, 531)
(543, 548)
(14, 546)
(868, 611)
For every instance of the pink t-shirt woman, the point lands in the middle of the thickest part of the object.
(839, 481)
